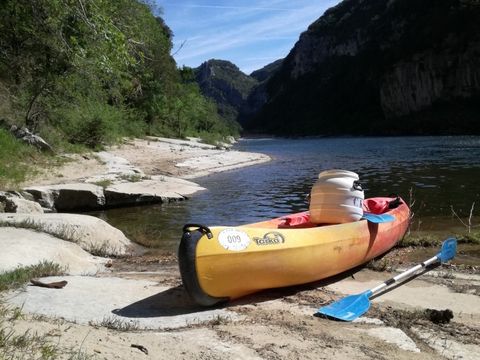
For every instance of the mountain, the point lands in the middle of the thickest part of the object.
(258, 95)
(224, 83)
(379, 67)
(267, 71)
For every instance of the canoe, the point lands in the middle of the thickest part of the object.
(222, 263)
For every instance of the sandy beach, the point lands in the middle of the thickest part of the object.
(136, 307)
(153, 156)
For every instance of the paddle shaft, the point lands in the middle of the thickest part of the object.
(405, 275)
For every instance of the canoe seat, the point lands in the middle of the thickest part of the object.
(296, 221)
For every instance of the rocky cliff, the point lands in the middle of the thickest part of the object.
(258, 95)
(267, 71)
(224, 83)
(380, 67)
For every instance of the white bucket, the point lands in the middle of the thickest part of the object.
(336, 198)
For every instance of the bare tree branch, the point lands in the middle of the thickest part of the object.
(180, 48)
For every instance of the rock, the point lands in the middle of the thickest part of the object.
(220, 145)
(90, 233)
(14, 202)
(394, 336)
(69, 197)
(439, 316)
(26, 136)
(119, 166)
(367, 320)
(220, 161)
(157, 190)
(93, 299)
(25, 247)
(406, 83)
(230, 139)
(447, 348)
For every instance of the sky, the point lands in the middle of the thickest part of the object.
(249, 33)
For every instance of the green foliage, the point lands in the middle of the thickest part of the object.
(93, 123)
(18, 277)
(428, 240)
(86, 73)
(224, 83)
(14, 159)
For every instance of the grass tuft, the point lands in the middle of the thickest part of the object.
(21, 275)
(428, 240)
(104, 183)
(102, 250)
(16, 160)
(131, 177)
(115, 323)
(64, 231)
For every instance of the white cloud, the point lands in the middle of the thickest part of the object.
(235, 32)
(230, 7)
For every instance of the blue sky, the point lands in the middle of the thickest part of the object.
(248, 33)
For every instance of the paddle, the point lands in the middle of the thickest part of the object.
(378, 218)
(353, 306)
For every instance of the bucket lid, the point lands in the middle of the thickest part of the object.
(338, 173)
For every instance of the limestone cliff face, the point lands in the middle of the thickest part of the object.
(380, 67)
(416, 84)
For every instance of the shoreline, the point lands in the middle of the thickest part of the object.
(151, 156)
(137, 172)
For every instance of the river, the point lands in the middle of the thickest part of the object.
(436, 174)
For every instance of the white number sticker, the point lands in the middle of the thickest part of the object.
(233, 239)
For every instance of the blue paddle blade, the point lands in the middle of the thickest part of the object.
(349, 308)
(448, 251)
(378, 218)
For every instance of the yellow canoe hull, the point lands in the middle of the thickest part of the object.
(236, 261)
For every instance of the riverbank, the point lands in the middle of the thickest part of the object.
(139, 171)
(148, 157)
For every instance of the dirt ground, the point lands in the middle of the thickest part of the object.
(280, 323)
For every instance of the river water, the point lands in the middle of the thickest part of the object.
(436, 174)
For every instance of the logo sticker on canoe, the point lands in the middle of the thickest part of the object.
(233, 239)
(270, 238)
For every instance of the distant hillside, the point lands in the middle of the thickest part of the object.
(258, 95)
(223, 82)
(380, 67)
(267, 71)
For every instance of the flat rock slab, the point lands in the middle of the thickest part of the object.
(158, 189)
(13, 202)
(90, 233)
(68, 197)
(22, 247)
(393, 336)
(192, 142)
(448, 348)
(416, 294)
(220, 160)
(139, 304)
